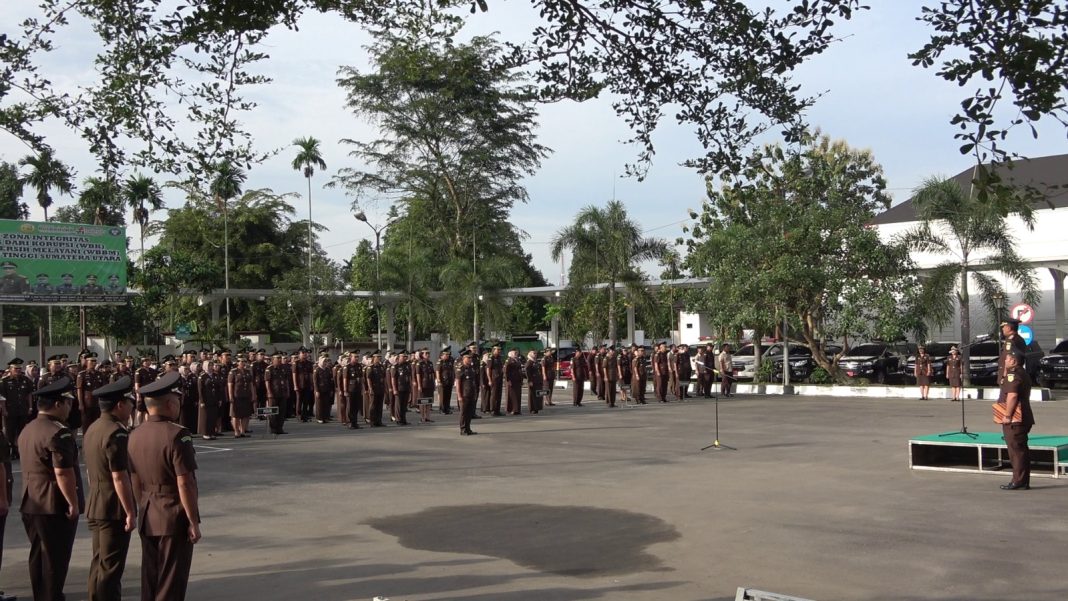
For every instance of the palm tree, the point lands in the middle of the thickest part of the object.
(974, 238)
(308, 158)
(46, 173)
(142, 194)
(225, 186)
(98, 198)
(606, 247)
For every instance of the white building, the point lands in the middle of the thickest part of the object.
(1045, 247)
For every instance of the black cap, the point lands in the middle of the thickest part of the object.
(465, 353)
(16, 362)
(56, 388)
(1012, 323)
(115, 390)
(164, 384)
(42, 275)
(7, 264)
(67, 275)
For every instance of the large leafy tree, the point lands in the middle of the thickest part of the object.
(607, 247)
(787, 237)
(971, 239)
(99, 202)
(11, 186)
(721, 67)
(46, 173)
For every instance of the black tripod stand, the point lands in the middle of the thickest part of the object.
(716, 444)
(963, 428)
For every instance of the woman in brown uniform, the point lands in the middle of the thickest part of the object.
(923, 372)
(210, 391)
(323, 389)
(955, 372)
(484, 391)
(242, 389)
(534, 382)
(548, 374)
(513, 380)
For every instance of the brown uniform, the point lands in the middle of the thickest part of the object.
(955, 371)
(400, 377)
(352, 381)
(513, 377)
(276, 383)
(467, 377)
(303, 388)
(1013, 343)
(660, 375)
(427, 385)
(638, 378)
(535, 384)
(243, 390)
(923, 370)
(142, 377)
(496, 381)
(323, 387)
(88, 381)
(1015, 434)
(375, 376)
(105, 446)
(610, 373)
(17, 393)
(46, 444)
(160, 451)
(211, 388)
(445, 371)
(579, 374)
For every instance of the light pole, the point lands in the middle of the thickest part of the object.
(478, 299)
(361, 216)
(999, 306)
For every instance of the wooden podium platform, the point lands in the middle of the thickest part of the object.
(986, 453)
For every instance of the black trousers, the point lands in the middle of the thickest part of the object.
(578, 387)
(51, 542)
(445, 404)
(467, 412)
(307, 402)
(111, 542)
(277, 422)
(1019, 452)
(496, 394)
(13, 425)
(378, 398)
(355, 406)
(165, 563)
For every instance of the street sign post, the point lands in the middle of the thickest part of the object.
(183, 332)
(1027, 334)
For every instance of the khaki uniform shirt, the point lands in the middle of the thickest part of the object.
(47, 444)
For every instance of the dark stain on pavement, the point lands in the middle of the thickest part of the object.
(584, 542)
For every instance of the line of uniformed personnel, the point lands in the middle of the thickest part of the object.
(143, 479)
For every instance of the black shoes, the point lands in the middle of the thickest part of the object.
(1015, 486)
(467, 432)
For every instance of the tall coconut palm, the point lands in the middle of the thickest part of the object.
(225, 186)
(973, 237)
(142, 194)
(607, 247)
(309, 156)
(47, 173)
(98, 199)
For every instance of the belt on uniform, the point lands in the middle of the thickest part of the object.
(160, 488)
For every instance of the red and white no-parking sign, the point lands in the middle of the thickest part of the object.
(1022, 312)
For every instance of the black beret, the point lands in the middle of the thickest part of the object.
(16, 362)
(115, 390)
(67, 275)
(164, 384)
(42, 275)
(56, 388)
(7, 264)
(1012, 323)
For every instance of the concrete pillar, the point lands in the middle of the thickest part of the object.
(215, 304)
(555, 336)
(391, 334)
(630, 324)
(1058, 303)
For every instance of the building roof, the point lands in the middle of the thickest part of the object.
(1048, 175)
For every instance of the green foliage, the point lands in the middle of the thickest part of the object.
(606, 247)
(965, 231)
(46, 173)
(1009, 51)
(765, 373)
(821, 377)
(787, 236)
(100, 203)
(11, 205)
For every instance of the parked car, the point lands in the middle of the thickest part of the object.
(939, 352)
(879, 362)
(744, 361)
(983, 361)
(801, 362)
(563, 362)
(1053, 368)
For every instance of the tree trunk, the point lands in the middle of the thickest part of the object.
(965, 327)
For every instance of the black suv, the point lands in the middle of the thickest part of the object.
(801, 362)
(983, 361)
(879, 362)
(939, 352)
(1053, 367)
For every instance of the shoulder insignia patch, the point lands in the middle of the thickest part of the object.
(1011, 377)
(65, 435)
(186, 438)
(122, 433)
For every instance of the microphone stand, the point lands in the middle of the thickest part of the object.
(716, 444)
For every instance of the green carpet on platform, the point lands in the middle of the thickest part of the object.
(1043, 441)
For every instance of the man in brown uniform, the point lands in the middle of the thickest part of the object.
(352, 386)
(17, 391)
(302, 384)
(111, 511)
(496, 379)
(375, 377)
(579, 375)
(444, 373)
(467, 378)
(89, 379)
(638, 375)
(276, 381)
(144, 376)
(513, 377)
(52, 497)
(1011, 342)
(400, 385)
(163, 465)
(323, 388)
(1016, 396)
(610, 375)
(660, 372)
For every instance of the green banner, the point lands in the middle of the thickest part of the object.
(62, 263)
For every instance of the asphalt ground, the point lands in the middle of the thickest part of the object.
(622, 504)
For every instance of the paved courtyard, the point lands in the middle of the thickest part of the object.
(618, 504)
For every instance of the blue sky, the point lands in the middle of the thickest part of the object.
(872, 97)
